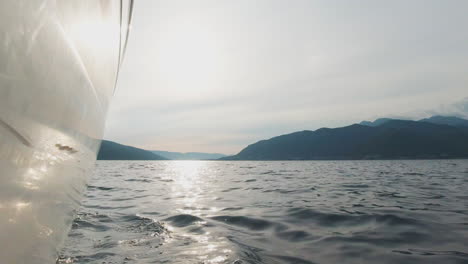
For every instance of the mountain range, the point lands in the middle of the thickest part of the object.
(438, 120)
(114, 151)
(437, 137)
(446, 120)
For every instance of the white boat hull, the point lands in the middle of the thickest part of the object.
(59, 62)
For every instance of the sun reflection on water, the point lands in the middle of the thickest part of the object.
(189, 184)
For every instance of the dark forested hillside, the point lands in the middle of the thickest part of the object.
(114, 151)
(392, 139)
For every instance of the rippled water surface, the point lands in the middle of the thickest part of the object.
(273, 212)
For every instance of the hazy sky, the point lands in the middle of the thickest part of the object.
(217, 75)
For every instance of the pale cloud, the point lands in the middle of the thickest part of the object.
(218, 75)
(459, 109)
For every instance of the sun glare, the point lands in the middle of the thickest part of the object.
(187, 184)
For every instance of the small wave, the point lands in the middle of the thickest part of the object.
(232, 208)
(105, 244)
(138, 242)
(243, 221)
(436, 197)
(355, 185)
(247, 252)
(121, 199)
(380, 238)
(333, 219)
(138, 180)
(404, 252)
(143, 224)
(462, 197)
(280, 191)
(100, 188)
(253, 188)
(166, 180)
(413, 174)
(291, 171)
(439, 252)
(390, 194)
(295, 236)
(90, 221)
(231, 189)
(183, 220)
(82, 224)
(285, 191)
(85, 259)
(268, 172)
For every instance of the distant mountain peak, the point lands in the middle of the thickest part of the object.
(446, 120)
(377, 122)
(437, 119)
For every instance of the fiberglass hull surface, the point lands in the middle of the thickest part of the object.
(59, 62)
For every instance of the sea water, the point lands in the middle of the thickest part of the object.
(273, 212)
